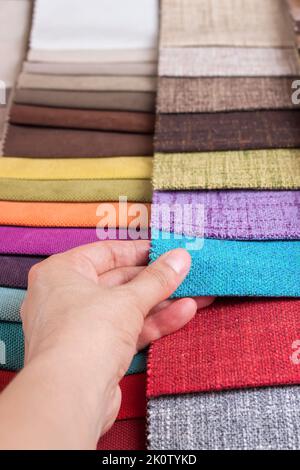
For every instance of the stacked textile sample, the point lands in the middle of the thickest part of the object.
(79, 136)
(227, 179)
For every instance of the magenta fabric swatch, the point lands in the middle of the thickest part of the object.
(236, 215)
(49, 241)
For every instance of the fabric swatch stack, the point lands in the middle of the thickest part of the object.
(227, 161)
(80, 134)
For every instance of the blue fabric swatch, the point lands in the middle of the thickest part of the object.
(235, 268)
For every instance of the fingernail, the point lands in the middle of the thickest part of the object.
(177, 261)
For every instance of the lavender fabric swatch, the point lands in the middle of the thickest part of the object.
(237, 215)
(48, 241)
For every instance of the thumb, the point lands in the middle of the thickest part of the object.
(161, 278)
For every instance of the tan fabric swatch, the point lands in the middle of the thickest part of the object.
(114, 100)
(96, 56)
(14, 21)
(224, 61)
(254, 169)
(75, 191)
(131, 68)
(87, 83)
(196, 95)
(242, 23)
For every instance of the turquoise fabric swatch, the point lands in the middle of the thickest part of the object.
(10, 303)
(235, 268)
(12, 350)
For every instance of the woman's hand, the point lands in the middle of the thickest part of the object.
(86, 313)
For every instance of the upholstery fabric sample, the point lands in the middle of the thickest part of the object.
(226, 61)
(49, 241)
(244, 23)
(139, 190)
(133, 25)
(44, 142)
(113, 100)
(14, 270)
(10, 304)
(15, 21)
(60, 169)
(11, 335)
(121, 121)
(255, 419)
(231, 344)
(125, 435)
(86, 83)
(200, 95)
(227, 131)
(248, 169)
(95, 56)
(237, 215)
(234, 268)
(53, 214)
(121, 68)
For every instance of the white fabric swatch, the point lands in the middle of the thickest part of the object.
(91, 25)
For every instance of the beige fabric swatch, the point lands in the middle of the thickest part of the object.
(241, 23)
(113, 100)
(130, 68)
(224, 61)
(197, 95)
(14, 21)
(87, 83)
(250, 169)
(93, 56)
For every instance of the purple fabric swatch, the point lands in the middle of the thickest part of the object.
(237, 215)
(48, 241)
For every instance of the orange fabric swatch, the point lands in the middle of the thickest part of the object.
(59, 214)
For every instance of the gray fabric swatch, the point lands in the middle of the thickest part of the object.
(250, 419)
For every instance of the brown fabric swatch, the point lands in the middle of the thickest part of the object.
(227, 131)
(27, 141)
(82, 119)
(196, 95)
(112, 100)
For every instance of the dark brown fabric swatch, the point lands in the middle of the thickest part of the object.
(122, 121)
(27, 141)
(200, 95)
(110, 100)
(227, 131)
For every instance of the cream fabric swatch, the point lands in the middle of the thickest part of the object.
(224, 61)
(130, 68)
(241, 23)
(91, 25)
(14, 24)
(87, 83)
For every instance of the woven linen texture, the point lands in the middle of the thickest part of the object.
(43, 241)
(238, 215)
(63, 169)
(252, 169)
(59, 214)
(226, 23)
(201, 95)
(232, 344)
(227, 131)
(139, 190)
(234, 268)
(255, 419)
(42, 142)
(226, 61)
(82, 119)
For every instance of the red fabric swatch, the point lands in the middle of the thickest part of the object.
(234, 343)
(125, 435)
(133, 389)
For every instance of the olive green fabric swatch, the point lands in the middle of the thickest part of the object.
(250, 169)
